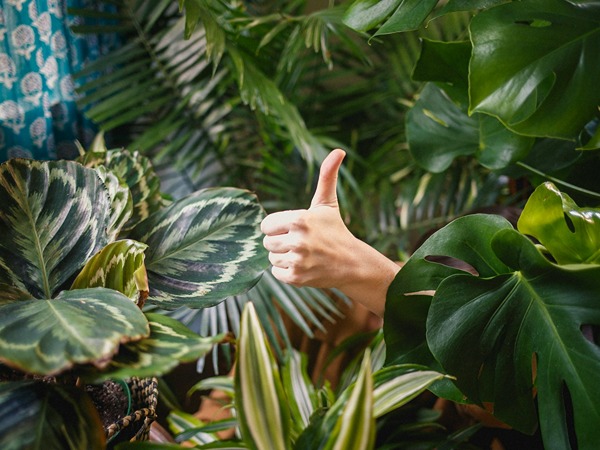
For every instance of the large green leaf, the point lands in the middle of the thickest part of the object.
(169, 344)
(77, 327)
(260, 402)
(571, 234)
(36, 415)
(365, 14)
(409, 16)
(503, 335)
(535, 66)
(53, 217)
(203, 248)
(119, 266)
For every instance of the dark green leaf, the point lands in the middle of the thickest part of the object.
(443, 61)
(77, 327)
(36, 415)
(489, 332)
(365, 14)
(203, 248)
(534, 66)
(409, 16)
(53, 217)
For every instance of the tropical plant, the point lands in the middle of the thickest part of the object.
(515, 322)
(277, 406)
(84, 246)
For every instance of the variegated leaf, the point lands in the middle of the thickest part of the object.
(46, 337)
(180, 422)
(53, 217)
(121, 201)
(203, 248)
(119, 266)
(35, 415)
(168, 344)
(260, 402)
(354, 428)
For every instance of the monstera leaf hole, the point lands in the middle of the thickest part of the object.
(450, 261)
(569, 416)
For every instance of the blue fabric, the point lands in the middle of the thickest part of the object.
(38, 56)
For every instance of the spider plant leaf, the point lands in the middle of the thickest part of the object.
(260, 401)
(53, 217)
(516, 339)
(533, 66)
(571, 234)
(203, 248)
(44, 415)
(47, 337)
(169, 344)
(118, 266)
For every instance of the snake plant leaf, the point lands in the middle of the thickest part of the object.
(46, 337)
(534, 66)
(121, 201)
(502, 335)
(260, 401)
(203, 248)
(571, 234)
(43, 415)
(169, 344)
(53, 217)
(119, 266)
(463, 244)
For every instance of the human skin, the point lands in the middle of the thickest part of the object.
(313, 247)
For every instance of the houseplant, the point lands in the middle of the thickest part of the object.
(74, 282)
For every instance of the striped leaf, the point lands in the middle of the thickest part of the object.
(53, 217)
(168, 344)
(119, 266)
(121, 201)
(203, 248)
(300, 391)
(260, 402)
(181, 422)
(36, 415)
(354, 428)
(83, 326)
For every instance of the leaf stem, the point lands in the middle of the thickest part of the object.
(559, 181)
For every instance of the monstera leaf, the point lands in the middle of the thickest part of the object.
(534, 66)
(571, 234)
(119, 266)
(77, 327)
(53, 217)
(203, 248)
(43, 415)
(168, 344)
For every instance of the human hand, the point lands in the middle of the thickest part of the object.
(313, 247)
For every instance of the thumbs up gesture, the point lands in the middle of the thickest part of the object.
(313, 247)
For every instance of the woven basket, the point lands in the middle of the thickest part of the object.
(136, 425)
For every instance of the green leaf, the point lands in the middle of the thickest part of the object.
(489, 332)
(180, 422)
(121, 202)
(466, 5)
(534, 66)
(594, 142)
(409, 16)
(49, 336)
(54, 417)
(203, 248)
(366, 14)
(300, 391)
(169, 344)
(118, 266)
(53, 217)
(354, 427)
(571, 234)
(443, 61)
(260, 402)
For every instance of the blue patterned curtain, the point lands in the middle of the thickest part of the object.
(38, 55)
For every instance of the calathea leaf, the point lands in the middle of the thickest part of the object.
(203, 248)
(169, 344)
(534, 66)
(119, 266)
(77, 327)
(489, 332)
(121, 202)
(53, 217)
(44, 415)
(571, 234)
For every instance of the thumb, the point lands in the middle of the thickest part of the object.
(325, 194)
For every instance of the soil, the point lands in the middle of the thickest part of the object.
(110, 401)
